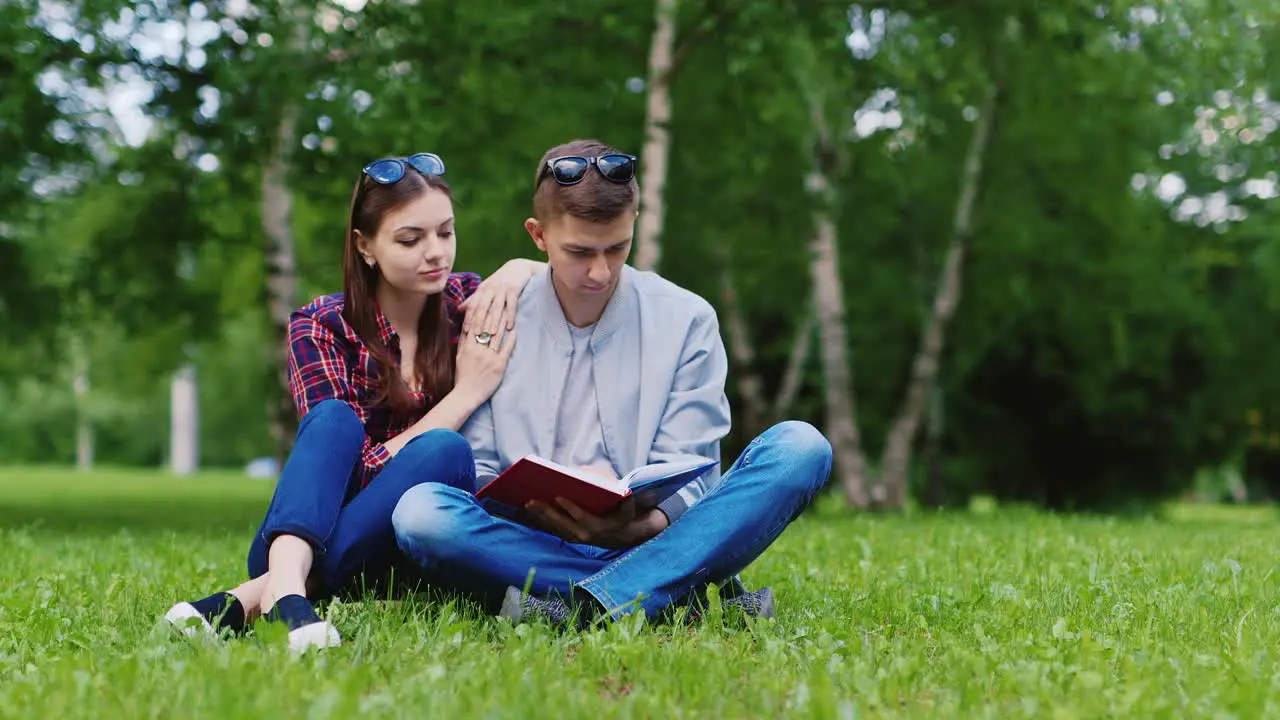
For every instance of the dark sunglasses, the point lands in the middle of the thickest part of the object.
(390, 170)
(571, 169)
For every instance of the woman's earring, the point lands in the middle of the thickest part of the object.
(371, 261)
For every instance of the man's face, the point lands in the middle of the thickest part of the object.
(586, 257)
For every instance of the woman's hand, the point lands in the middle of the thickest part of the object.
(482, 357)
(492, 307)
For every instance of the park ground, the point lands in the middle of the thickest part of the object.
(986, 613)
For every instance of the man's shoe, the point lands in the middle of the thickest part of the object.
(756, 603)
(752, 603)
(518, 607)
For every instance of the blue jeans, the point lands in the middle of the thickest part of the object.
(449, 534)
(318, 499)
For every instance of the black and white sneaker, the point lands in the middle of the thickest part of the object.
(518, 607)
(306, 629)
(207, 616)
(752, 603)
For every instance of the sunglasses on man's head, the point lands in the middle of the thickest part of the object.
(571, 169)
(390, 170)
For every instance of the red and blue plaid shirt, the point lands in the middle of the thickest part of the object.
(329, 361)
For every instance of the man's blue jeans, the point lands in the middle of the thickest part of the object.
(349, 528)
(449, 534)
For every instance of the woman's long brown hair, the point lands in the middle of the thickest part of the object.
(434, 362)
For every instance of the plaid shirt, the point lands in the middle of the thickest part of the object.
(328, 361)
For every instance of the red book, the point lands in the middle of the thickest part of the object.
(536, 478)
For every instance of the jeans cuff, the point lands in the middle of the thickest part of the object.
(612, 608)
(313, 539)
(601, 596)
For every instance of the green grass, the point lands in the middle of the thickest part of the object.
(1000, 614)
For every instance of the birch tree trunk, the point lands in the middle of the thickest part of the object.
(842, 427)
(657, 139)
(896, 460)
(80, 386)
(277, 224)
(184, 418)
(850, 463)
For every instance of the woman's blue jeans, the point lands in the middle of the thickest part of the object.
(317, 498)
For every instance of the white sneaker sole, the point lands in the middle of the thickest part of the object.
(319, 635)
(512, 607)
(767, 609)
(180, 615)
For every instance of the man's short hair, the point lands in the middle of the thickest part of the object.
(595, 199)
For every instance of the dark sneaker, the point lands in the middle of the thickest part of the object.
(756, 603)
(518, 607)
(208, 615)
(306, 629)
(752, 603)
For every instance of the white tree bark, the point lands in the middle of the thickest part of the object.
(277, 225)
(842, 432)
(184, 429)
(896, 460)
(84, 424)
(841, 412)
(657, 138)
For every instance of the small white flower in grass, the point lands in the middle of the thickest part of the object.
(1121, 612)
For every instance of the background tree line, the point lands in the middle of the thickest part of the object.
(1024, 250)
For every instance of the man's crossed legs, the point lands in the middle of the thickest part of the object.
(448, 533)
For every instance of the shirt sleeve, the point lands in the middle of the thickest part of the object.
(318, 371)
(696, 418)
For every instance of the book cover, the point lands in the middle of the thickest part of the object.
(536, 478)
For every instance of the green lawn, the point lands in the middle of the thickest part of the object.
(999, 614)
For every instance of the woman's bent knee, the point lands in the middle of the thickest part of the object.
(333, 418)
(439, 446)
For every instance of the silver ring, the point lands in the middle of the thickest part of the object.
(484, 337)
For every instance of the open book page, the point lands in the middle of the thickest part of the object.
(647, 474)
(616, 486)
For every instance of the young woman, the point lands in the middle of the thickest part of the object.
(382, 375)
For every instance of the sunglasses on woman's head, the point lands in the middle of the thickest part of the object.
(390, 170)
(571, 169)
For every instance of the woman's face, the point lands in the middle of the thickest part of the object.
(414, 247)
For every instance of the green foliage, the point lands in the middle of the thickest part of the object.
(236, 375)
(1146, 329)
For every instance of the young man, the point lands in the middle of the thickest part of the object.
(625, 369)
